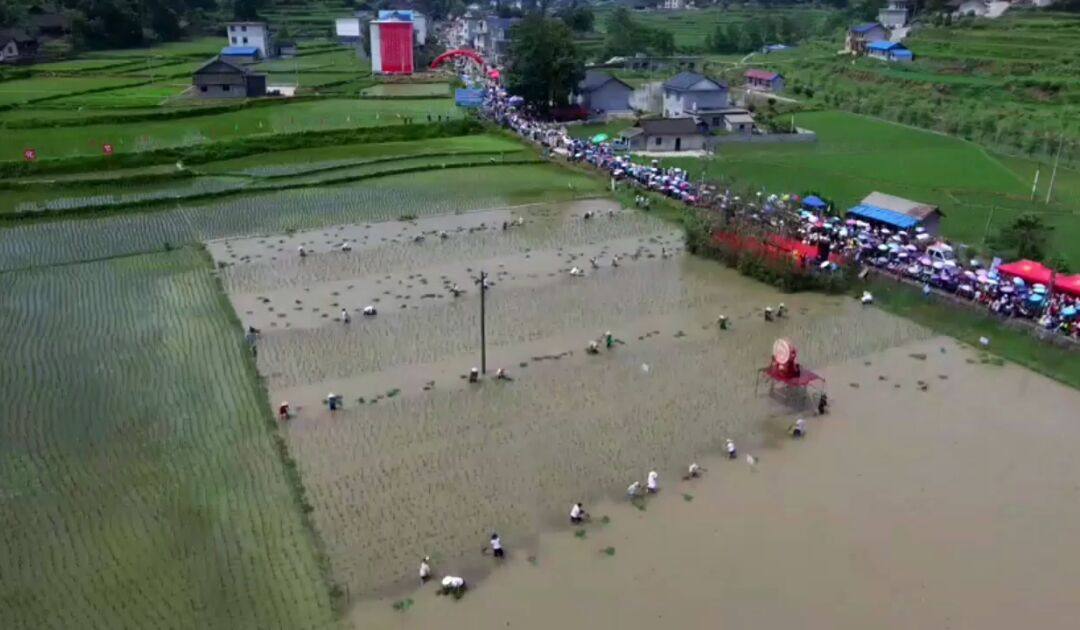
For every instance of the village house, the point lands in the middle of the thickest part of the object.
(889, 51)
(860, 36)
(895, 14)
(970, 8)
(602, 93)
(689, 94)
(764, 81)
(494, 39)
(897, 213)
(16, 46)
(247, 35)
(219, 78)
(665, 135)
(644, 62)
(739, 123)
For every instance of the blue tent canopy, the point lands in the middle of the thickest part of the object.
(881, 215)
(814, 202)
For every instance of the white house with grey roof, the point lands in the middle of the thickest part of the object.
(601, 93)
(691, 95)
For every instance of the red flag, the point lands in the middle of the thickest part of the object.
(107, 148)
(30, 155)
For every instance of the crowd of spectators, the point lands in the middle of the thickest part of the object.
(916, 255)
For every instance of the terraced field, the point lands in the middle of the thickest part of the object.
(1009, 83)
(418, 194)
(139, 481)
(56, 142)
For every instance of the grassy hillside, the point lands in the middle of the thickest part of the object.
(855, 155)
(1011, 83)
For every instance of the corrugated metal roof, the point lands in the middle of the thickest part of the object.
(881, 215)
(240, 50)
(883, 45)
(911, 208)
(687, 80)
(864, 28)
(596, 79)
(669, 126)
(763, 75)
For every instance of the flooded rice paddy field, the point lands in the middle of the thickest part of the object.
(421, 462)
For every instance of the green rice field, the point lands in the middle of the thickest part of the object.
(407, 90)
(434, 191)
(855, 155)
(21, 91)
(58, 142)
(139, 478)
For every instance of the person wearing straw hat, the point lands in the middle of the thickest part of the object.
(425, 570)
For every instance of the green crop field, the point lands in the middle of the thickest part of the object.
(434, 191)
(304, 160)
(29, 90)
(406, 90)
(54, 142)
(139, 481)
(1012, 83)
(855, 155)
(692, 27)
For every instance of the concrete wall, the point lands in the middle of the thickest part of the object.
(679, 104)
(612, 97)
(256, 35)
(218, 91)
(694, 142)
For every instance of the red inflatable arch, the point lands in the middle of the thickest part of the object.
(458, 54)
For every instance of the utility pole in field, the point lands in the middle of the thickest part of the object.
(483, 336)
(1053, 173)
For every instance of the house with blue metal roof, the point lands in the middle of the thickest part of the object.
(888, 51)
(860, 35)
(255, 35)
(897, 213)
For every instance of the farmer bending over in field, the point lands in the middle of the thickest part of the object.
(578, 514)
(453, 585)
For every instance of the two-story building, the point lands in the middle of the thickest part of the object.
(895, 14)
(494, 40)
(600, 93)
(255, 35)
(860, 36)
(690, 95)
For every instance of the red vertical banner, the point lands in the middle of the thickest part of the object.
(30, 155)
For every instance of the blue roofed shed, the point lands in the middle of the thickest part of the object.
(246, 54)
(881, 216)
(888, 51)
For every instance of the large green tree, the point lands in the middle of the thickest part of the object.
(1026, 237)
(627, 36)
(543, 64)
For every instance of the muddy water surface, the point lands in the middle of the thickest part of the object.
(421, 462)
